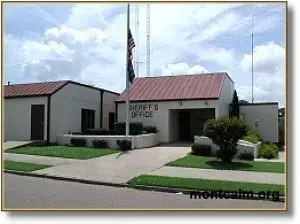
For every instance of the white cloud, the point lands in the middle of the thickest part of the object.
(268, 58)
(183, 68)
(90, 46)
(224, 57)
(268, 73)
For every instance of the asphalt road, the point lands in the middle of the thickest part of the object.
(22, 192)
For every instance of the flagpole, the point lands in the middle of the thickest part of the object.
(127, 75)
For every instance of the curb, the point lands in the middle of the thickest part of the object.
(138, 187)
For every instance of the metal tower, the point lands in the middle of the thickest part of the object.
(148, 40)
(252, 71)
(137, 40)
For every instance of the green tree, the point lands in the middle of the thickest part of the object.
(281, 112)
(235, 108)
(225, 132)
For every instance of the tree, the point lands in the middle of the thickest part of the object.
(281, 112)
(235, 108)
(225, 132)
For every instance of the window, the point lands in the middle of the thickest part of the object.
(87, 119)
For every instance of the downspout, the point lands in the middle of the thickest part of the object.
(101, 108)
(48, 118)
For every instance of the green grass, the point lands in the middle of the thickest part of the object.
(63, 151)
(20, 166)
(203, 184)
(212, 163)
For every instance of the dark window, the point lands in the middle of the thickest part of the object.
(111, 120)
(87, 119)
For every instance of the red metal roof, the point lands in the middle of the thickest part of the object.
(32, 89)
(183, 87)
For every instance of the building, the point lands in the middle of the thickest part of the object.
(40, 111)
(180, 105)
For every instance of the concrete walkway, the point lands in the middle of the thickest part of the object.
(231, 175)
(46, 160)
(120, 167)
(14, 144)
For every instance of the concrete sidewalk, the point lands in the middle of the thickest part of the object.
(231, 175)
(120, 167)
(46, 160)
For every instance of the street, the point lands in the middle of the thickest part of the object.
(21, 192)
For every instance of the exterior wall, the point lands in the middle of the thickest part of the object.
(66, 107)
(17, 117)
(266, 116)
(161, 118)
(225, 98)
(108, 106)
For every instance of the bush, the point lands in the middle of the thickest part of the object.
(124, 145)
(135, 128)
(225, 132)
(269, 151)
(201, 150)
(102, 144)
(150, 129)
(98, 132)
(252, 137)
(246, 156)
(78, 142)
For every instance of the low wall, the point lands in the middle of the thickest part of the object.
(145, 140)
(138, 141)
(243, 146)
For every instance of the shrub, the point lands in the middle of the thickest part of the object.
(252, 137)
(100, 144)
(78, 142)
(246, 156)
(124, 145)
(225, 132)
(135, 128)
(269, 151)
(98, 132)
(201, 150)
(150, 129)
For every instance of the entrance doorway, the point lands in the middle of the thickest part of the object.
(37, 122)
(184, 126)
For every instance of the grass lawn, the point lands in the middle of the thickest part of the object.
(63, 151)
(203, 184)
(20, 166)
(212, 163)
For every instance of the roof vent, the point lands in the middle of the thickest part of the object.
(8, 83)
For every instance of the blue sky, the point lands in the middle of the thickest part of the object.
(86, 43)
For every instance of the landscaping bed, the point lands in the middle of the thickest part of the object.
(203, 184)
(63, 151)
(203, 162)
(21, 166)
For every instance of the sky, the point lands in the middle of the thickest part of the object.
(87, 43)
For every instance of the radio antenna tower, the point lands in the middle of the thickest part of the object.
(137, 39)
(148, 40)
(252, 98)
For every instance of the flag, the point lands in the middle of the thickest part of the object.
(131, 45)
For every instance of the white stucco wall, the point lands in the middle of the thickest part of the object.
(267, 117)
(225, 98)
(161, 116)
(66, 105)
(108, 106)
(17, 117)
